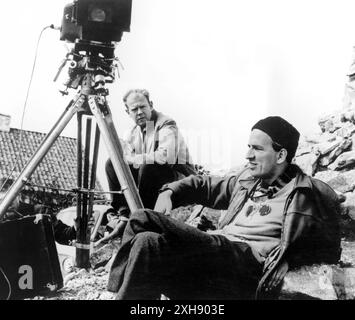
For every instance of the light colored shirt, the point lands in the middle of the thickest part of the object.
(259, 222)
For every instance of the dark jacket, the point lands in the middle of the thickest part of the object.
(310, 229)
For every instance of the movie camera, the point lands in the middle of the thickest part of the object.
(94, 26)
(96, 20)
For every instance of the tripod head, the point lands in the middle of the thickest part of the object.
(89, 57)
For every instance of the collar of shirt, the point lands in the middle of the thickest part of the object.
(263, 190)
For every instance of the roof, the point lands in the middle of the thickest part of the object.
(57, 169)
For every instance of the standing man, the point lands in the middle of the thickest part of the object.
(277, 218)
(155, 151)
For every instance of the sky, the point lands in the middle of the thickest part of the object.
(216, 67)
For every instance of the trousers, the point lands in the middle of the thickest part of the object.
(160, 255)
(149, 178)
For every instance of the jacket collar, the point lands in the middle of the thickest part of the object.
(302, 180)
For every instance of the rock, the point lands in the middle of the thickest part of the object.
(100, 270)
(182, 213)
(349, 203)
(68, 277)
(341, 196)
(326, 176)
(82, 272)
(195, 213)
(108, 264)
(326, 147)
(324, 281)
(319, 138)
(303, 149)
(107, 296)
(330, 123)
(348, 115)
(308, 162)
(343, 146)
(309, 283)
(93, 295)
(100, 257)
(346, 131)
(343, 182)
(346, 159)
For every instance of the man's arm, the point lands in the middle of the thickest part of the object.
(210, 191)
(63, 233)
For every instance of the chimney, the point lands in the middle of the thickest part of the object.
(5, 122)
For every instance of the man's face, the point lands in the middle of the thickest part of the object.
(261, 155)
(139, 108)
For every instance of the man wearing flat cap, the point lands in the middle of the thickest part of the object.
(276, 218)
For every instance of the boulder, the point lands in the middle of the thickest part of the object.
(318, 138)
(345, 160)
(308, 162)
(342, 182)
(347, 130)
(333, 155)
(349, 204)
(328, 146)
(326, 175)
(323, 281)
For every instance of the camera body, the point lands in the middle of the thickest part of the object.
(96, 20)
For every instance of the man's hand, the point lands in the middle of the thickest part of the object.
(164, 203)
(277, 277)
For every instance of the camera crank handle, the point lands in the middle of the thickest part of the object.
(62, 65)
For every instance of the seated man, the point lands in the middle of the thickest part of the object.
(277, 218)
(155, 151)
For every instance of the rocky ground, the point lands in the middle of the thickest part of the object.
(329, 156)
(317, 282)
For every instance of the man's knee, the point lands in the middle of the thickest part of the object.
(146, 239)
(140, 214)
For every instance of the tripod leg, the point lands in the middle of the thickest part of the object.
(104, 120)
(82, 237)
(35, 160)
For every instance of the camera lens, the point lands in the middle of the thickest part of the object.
(98, 15)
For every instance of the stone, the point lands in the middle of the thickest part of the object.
(347, 114)
(195, 213)
(328, 146)
(347, 130)
(349, 204)
(319, 138)
(341, 196)
(100, 257)
(303, 148)
(308, 283)
(323, 281)
(343, 146)
(107, 296)
(326, 175)
(330, 123)
(343, 182)
(346, 159)
(308, 162)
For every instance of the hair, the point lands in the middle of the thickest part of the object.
(277, 147)
(143, 92)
